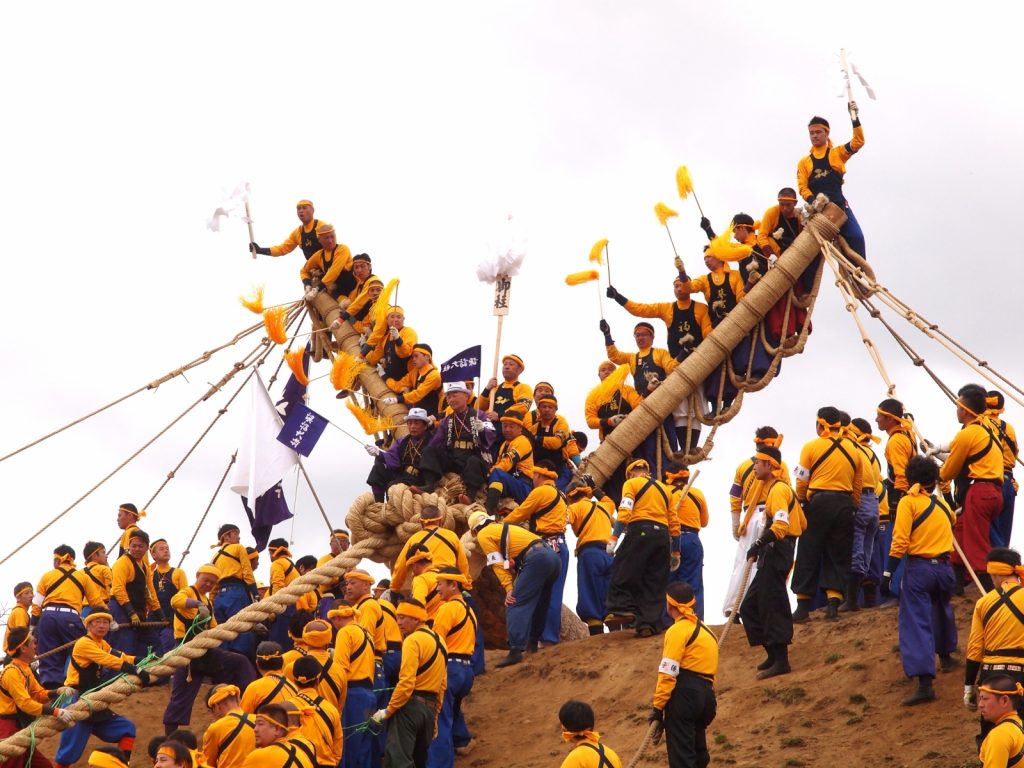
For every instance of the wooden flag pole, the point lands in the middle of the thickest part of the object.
(502, 294)
(248, 221)
(608, 262)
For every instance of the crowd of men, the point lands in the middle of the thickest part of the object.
(356, 674)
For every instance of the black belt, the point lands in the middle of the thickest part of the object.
(230, 581)
(531, 546)
(428, 695)
(646, 524)
(552, 535)
(360, 684)
(823, 491)
(1013, 653)
(393, 645)
(13, 718)
(689, 529)
(710, 679)
(591, 545)
(1002, 667)
(460, 656)
(933, 560)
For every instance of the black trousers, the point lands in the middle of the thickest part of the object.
(640, 574)
(826, 545)
(434, 462)
(383, 477)
(689, 712)
(765, 610)
(410, 731)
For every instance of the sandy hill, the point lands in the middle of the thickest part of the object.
(841, 704)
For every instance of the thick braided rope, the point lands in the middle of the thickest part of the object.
(123, 687)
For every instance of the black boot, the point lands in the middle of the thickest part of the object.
(378, 493)
(870, 595)
(532, 646)
(852, 593)
(802, 612)
(924, 692)
(768, 662)
(832, 609)
(515, 655)
(596, 629)
(948, 663)
(493, 496)
(691, 445)
(780, 653)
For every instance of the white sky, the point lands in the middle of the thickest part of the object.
(415, 128)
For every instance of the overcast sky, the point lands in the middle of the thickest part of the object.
(416, 128)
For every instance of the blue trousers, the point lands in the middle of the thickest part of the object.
(880, 557)
(460, 682)
(524, 619)
(852, 232)
(514, 487)
(479, 667)
(926, 622)
(553, 623)
(55, 629)
(232, 598)
(691, 567)
(360, 703)
(564, 478)
(865, 531)
(219, 666)
(73, 740)
(593, 572)
(1002, 526)
(279, 629)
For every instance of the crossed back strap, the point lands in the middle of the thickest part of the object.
(602, 759)
(65, 576)
(438, 649)
(837, 445)
(243, 721)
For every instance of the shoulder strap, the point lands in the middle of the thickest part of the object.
(651, 483)
(281, 682)
(503, 543)
(1003, 599)
(438, 649)
(468, 617)
(222, 553)
(65, 576)
(924, 515)
(602, 759)
(362, 646)
(544, 510)
(243, 721)
(289, 750)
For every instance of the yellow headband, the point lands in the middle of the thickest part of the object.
(1003, 569)
(419, 557)
(962, 405)
(827, 425)
(137, 513)
(304, 202)
(682, 474)
(340, 536)
(169, 752)
(23, 590)
(341, 612)
(1017, 691)
(275, 551)
(546, 473)
(686, 609)
(14, 650)
(280, 725)
(265, 656)
(317, 638)
(359, 576)
(638, 464)
(210, 569)
(514, 417)
(458, 578)
(575, 735)
(767, 457)
(65, 559)
(774, 442)
(412, 611)
(581, 490)
(904, 422)
(222, 693)
(105, 760)
(96, 615)
(819, 125)
(863, 437)
(786, 199)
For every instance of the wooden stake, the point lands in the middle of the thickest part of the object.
(608, 262)
(248, 222)
(494, 368)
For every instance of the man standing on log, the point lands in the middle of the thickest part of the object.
(511, 392)
(304, 236)
(648, 554)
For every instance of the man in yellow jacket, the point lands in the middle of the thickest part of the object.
(229, 738)
(303, 236)
(999, 700)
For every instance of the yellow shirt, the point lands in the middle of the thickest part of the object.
(1008, 438)
(100, 575)
(420, 385)
(322, 727)
(770, 223)
(516, 455)
(499, 559)
(688, 646)
(747, 491)
(543, 510)
(554, 436)
(455, 623)
(284, 752)
(591, 520)
(424, 668)
(233, 563)
(932, 536)
(282, 573)
(294, 240)
(379, 339)
(424, 589)
(508, 393)
(330, 267)
(18, 617)
(269, 689)
(899, 448)
(658, 356)
(392, 634)
(837, 159)
(20, 691)
(332, 686)
(829, 463)
(90, 653)
(1003, 742)
(706, 284)
(975, 452)
(592, 408)
(445, 551)
(69, 587)
(184, 616)
(370, 616)
(782, 512)
(665, 311)
(587, 754)
(353, 652)
(693, 510)
(126, 571)
(228, 740)
(995, 628)
(644, 498)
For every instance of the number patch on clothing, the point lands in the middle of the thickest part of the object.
(782, 516)
(626, 503)
(802, 473)
(494, 558)
(669, 667)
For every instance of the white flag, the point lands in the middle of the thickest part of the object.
(262, 460)
(509, 249)
(229, 208)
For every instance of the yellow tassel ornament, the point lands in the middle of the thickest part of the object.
(294, 360)
(371, 424)
(683, 182)
(578, 278)
(613, 382)
(597, 252)
(254, 303)
(664, 213)
(346, 370)
(273, 321)
(725, 248)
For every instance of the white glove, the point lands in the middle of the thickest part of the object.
(380, 370)
(778, 233)
(379, 716)
(64, 715)
(362, 339)
(971, 697)
(389, 400)
(854, 112)
(372, 450)
(432, 420)
(617, 419)
(336, 326)
(393, 333)
(114, 626)
(310, 293)
(736, 527)
(935, 450)
(610, 546)
(487, 426)
(653, 384)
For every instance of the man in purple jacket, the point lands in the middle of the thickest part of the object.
(401, 462)
(463, 443)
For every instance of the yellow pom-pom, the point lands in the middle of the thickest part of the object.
(346, 370)
(273, 321)
(664, 213)
(380, 306)
(255, 302)
(604, 391)
(597, 252)
(371, 424)
(683, 182)
(578, 278)
(294, 360)
(725, 248)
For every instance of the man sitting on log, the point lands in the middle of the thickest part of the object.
(401, 462)
(462, 444)
(552, 439)
(390, 345)
(421, 385)
(513, 469)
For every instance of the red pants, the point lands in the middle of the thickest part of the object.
(983, 504)
(781, 324)
(9, 728)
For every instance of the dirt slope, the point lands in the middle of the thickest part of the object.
(839, 706)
